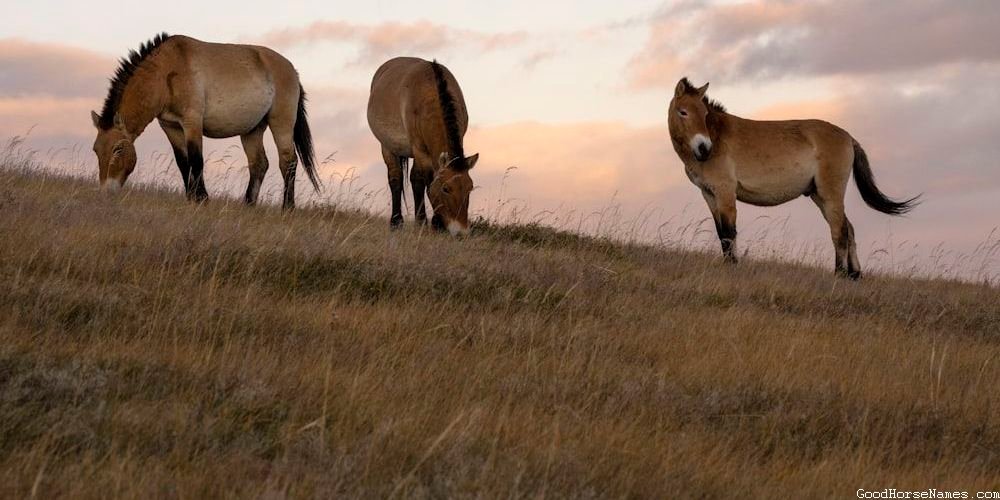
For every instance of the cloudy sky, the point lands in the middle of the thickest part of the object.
(572, 95)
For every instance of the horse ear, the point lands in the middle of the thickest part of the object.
(681, 88)
(701, 90)
(470, 161)
(96, 119)
(443, 161)
(119, 121)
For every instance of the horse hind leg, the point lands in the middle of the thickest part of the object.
(395, 166)
(853, 264)
(841, 232)
(253, 146)
(287, 162)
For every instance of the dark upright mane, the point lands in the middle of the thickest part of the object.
(712, 104)
(450, 119)
(126, 68)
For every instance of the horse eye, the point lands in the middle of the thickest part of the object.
(683, 113)
(446, 189)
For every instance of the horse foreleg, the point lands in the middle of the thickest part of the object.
(253, 146)
(395, 166)
(419, 180)
(722, 204)
(196, 162)
(175, 134)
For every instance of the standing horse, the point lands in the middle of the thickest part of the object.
(416, 110)
(194, 89)
(767, 163)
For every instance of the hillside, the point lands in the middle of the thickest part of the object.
(154, 348)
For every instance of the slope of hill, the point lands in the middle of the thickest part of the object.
(152, 347)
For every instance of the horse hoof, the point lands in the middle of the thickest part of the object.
(395, 223)
(854, 275)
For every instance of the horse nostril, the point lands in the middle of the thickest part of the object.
(703, 152)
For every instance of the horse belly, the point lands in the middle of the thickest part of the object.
(774, 190)
(392, 135)
(232, 110)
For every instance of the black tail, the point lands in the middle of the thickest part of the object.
(303, 141)
(865, 181)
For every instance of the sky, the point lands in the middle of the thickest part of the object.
(567, 103)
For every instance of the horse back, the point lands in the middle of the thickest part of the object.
(404, 110)
(235, 86)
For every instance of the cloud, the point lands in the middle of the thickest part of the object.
(47, 115)
(761, 40)
(389, 39)
(42, 69)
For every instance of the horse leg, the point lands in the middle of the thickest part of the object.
(420, 178)
(287, 162)
(196, 161)
(853, 264)
(395, 165)
(253, 146)
(175, 134)
(722, 204)
(840, 231)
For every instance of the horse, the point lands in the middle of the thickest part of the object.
(767, 163)
(416, 110)
(195, 89)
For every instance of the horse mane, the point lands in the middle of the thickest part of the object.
(126, 68)
(712, 104)
(450, 119)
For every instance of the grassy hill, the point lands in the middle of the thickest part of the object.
(152, 347)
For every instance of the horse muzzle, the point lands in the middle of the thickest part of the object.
(437, 223)
(702, 153)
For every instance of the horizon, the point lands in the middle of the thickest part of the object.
(576, 103)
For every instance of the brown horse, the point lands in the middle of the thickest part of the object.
(767, 163)
(416, 110)
(194, 89)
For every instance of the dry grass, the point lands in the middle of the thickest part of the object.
(151, 347)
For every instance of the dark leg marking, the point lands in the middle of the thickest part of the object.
(419, 183)
(289, 202)
(396, 188)
(727, 237)
(180, 157)
(196, 180)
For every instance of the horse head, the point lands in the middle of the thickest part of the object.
(691, 121)
(449, 193)
(115, 151)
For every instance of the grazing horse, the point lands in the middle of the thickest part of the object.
(194, 89)
(767, 163)
(416, 110)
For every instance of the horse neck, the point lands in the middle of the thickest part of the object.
(436, 138)
(719, 125)
(144, 98)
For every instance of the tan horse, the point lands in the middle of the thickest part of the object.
(767, 163)
(416, 110)
(194, 89)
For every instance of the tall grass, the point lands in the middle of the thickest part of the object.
(150, 347)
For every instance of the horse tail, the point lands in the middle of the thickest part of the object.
(865, 181)
(303, 141)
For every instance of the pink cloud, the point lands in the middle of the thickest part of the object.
(760, 39)
(30, 68)
(381, 41)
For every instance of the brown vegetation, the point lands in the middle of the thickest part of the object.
(153, 347)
